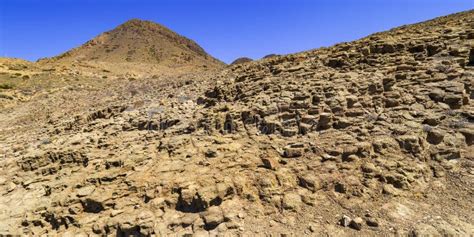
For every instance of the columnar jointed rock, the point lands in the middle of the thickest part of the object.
(378, 131)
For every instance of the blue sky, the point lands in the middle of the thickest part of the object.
(227, 29)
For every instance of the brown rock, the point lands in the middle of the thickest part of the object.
(291, 201)
(435, 136)
(270, 163)
(213, 217)
(290, 152)
(356, 223)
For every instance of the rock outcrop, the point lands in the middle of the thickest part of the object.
(371, 137)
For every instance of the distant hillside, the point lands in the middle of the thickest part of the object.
(138, 42)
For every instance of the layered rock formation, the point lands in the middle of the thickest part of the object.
(371, 137)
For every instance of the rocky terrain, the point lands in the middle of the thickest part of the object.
(371, 137)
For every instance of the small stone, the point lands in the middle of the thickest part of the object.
(270, 163)
(92, 206)
(288, 132)
(10, 187)
(222, 228)
(85, 191)
(437, 94)
(293, 152)
(432, 121)
(232, 224)
(158, 203)
(188, 219)
(96, 229)
(345, 221)
(213, 217)
(211, 153)
(372, 222)
(448, 153)
(327, 157)
(454, 101)
(75, 208)
(350, 158)
(356, 223)
(388, 83)
(198, 223)
(325, 121)
(349, 150)
(342, 123)
(469, 135)
(435, 136)
(390, 190)
(368, 168)
(291, 201)
(340, 188)
(309, 182)
(116, 212)
(438, 172)
(471, 57)
(273, 223)
(2, 180)
(410, 143)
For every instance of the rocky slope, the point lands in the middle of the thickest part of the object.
(137, 46)
(371, 137)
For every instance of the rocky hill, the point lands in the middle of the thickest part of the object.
(241, 60)
(371, 137)
(138, 45)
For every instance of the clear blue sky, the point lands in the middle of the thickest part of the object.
(227, 29)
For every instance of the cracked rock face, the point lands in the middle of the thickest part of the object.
(371, 137)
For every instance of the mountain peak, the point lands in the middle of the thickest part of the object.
(141, 41)
(138, 23)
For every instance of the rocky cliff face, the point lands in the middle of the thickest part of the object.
(368, 137)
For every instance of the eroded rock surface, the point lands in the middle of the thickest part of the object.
(368, 137)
